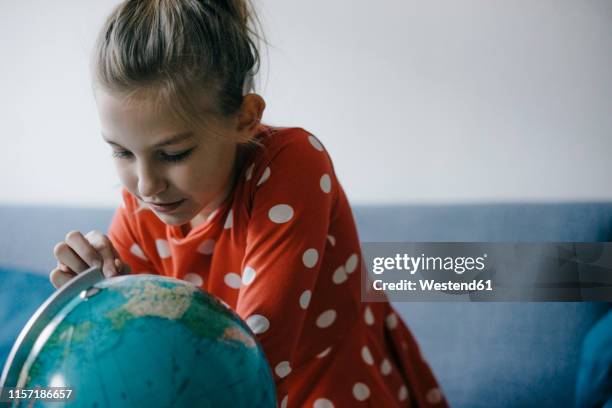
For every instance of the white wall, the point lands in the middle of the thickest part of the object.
(445, 101)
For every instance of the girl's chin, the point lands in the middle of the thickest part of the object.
(175, 219)
(184, 215)
(171, 219)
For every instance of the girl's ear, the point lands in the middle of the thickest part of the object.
(250, 113)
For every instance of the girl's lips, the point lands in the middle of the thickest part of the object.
(166, 208)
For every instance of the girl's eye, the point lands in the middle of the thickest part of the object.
(120, 155)
(172, 158)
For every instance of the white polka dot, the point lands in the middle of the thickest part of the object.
(284, 402)
(310, 257)
(249, 172)
(332, 240)
(194, 278)
(229, 221)
(326, 318)
(368, 316)
(163, 250)
(282, 369)
(325, 183)
(361, 392)
(323, 403)
(391, 321)
(315, 143)
(402, 394)
(122, 204)
(324, 352)
(136, 250)
(434, 396)
(212, 215)
(366, 355)
(248, 275)
(207, 247)
(351, 263)
(232, 280)
(305, 299)
(142, 206)
(264, 176)
(339, 276)
(280, 213)
(385, 367)
(258, 323)
(197, 220)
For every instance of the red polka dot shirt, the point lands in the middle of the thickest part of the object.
(283, 251)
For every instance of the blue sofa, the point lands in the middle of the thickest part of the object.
(483, 354)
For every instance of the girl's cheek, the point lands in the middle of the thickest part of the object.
(127, 178)
(185, 177)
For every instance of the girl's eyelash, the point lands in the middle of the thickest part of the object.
(172, 158)
(120, 155)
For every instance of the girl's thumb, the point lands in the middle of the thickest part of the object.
(119, 266)
(123, 268)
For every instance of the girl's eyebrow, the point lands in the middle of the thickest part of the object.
(179, 137)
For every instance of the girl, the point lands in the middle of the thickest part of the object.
(251, 213)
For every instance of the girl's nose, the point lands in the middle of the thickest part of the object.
(150, 183)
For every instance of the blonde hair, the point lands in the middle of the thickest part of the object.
(185, 54)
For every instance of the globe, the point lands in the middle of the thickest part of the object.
(143, 341)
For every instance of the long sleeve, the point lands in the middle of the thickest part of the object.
(286, 236)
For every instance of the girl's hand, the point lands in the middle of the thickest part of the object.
(78, 253)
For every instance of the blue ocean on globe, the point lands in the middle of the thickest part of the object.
(148, 341)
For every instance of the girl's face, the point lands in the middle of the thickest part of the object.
(161, 161)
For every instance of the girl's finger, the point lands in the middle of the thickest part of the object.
(120, 266)
(117, 256)
(64, 268)
(83, 248)
(58, 277)
(109, 267)
(105, 248)
(67, 256)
